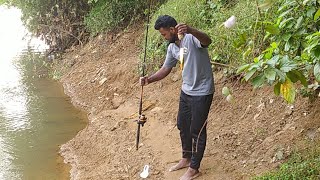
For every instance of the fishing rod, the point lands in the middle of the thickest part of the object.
(142, 119)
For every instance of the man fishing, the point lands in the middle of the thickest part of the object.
(189, 46)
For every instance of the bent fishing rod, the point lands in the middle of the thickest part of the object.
(142, 119)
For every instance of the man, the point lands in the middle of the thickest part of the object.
(197, 88)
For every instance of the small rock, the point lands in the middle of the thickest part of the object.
(279, 155)
(156, 109)
(102, 81)
(71, 62)
(271, 101)
(311, 133)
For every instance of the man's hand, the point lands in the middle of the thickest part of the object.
(201, 36)
(182, 28)
(144, 81)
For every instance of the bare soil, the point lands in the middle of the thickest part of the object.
(252, 135)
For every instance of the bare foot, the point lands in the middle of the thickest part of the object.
(183, 163)
(190, 174)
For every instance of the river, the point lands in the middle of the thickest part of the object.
(36, 117)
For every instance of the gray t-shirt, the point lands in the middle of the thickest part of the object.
(197, 77)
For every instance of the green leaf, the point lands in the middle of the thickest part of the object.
(282, 76)
(286, 64)
(270, 74)
(284, 22)
(258, 81)
(288, 91)
(274, 45)
(299, 22)
(243, 68)
(316, 71)
(249, 74)
(287, 46)
(317, 15)
(286, 36)
(296, 76)
(277, 89)
(272, 29)
(285, 13)
(316, 51)
(311, 11)
(225, 91)
(273, 61)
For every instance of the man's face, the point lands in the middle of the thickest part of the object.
(169, 34)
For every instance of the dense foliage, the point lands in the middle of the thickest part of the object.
(108, 15)
(294, 51)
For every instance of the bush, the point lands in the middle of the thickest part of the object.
(108, 15)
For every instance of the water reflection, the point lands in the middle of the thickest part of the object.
(35, 115)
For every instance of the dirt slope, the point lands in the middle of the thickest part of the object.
(250, 136)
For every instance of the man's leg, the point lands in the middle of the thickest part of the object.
(200, 110)
(183, 124)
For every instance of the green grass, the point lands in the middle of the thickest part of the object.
(301, 166)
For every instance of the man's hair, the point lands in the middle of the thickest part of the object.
(165, 21)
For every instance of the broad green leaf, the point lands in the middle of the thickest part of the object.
(292, 76)
(225, 91)
(296, 75)
(316, 71)
(258, 81)
(249, 74)
(317, 15)
(311, 11)
(277, 89)
(287, 67)
(316, 51)
(288, 91)
(282, 76)
(243, 68)
(272, 29)
(273, 61)
(287, 36)
(270, 74)
(299, 22)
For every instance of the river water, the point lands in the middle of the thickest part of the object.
(36, 117)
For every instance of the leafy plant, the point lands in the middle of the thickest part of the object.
(294, 51)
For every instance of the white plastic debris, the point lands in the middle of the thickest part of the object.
(145, 172)
(231, 22)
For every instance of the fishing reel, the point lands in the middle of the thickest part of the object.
(142, 119)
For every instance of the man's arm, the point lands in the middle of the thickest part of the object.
(201, 36)
(162, 73)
